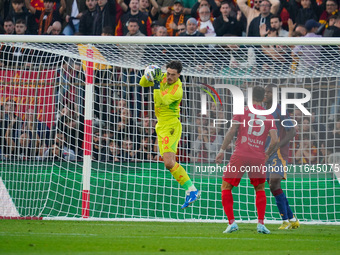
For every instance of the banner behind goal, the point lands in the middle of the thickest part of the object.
(78, 137)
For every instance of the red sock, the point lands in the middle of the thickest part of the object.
(227, 202)
(261, 202)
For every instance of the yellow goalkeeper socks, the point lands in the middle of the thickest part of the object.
(182, 177)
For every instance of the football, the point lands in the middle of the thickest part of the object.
(148, 72)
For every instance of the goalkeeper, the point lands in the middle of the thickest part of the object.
(168, 95)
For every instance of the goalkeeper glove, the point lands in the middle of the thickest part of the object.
(157, 78)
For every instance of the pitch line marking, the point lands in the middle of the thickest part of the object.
(165, 237)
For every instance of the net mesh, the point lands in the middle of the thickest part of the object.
(42, 129)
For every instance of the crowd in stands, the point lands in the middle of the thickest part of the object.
(171, 17)
(120, 138)
(125, 139)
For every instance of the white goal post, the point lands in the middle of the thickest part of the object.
(77, 130)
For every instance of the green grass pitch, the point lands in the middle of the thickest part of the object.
(100, 237)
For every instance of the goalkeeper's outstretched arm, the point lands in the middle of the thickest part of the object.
(145, 83)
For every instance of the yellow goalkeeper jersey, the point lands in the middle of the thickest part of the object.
(167, 99)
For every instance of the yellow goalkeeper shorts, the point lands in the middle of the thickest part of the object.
(168, 133)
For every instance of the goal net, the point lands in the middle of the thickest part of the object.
(78, 132)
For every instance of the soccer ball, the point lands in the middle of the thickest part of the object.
(148, 72)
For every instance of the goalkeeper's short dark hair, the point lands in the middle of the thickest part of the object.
(175, 64)
(258, 94)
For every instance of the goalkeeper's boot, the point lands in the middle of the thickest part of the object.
(261, 229)
(231, 228)
(192, 197)
(285, 225)
(294, 224)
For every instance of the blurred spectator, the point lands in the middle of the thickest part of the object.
(146, 130)
(161, 50)
(199, 151)
(115, 112)
(166, 8)
(254, 12)
(19, 11)
(307, 152)
(332, 19)
(294, 145)
(202, 120)
(301, 29)
(181, 28)
(191, 28)
(2, 133)
(276, 23)
(213, 142)
(261, 20)
(59, 150)
(301, 11)
(144, 20)
(133, 28)
(295, 30)
(9, 27)
(276, 57)
(334, 29)
(211, 4)
(154, 27)
(20, 27)
(4, 8)
(97, 146)
(131, 76)
(205, 22)
(217, 112)
(105, 15)
(161, 31)
(10, 128)
(52, 153)
(112, 154)
(145, 152)
(297, 115)
(332, 8)
(55, 29)
(306, 128)
(107, 31)
(33, 136)
(207, 144)
(308, 55)
(242, 61)
(176, 18)
(46, 17)
(2, 30)
(331, 147)
(128, 153)
(318, 129)
(125, 129)
(335, 135)
(87, 19)
(39, 4)
(152, 12)
(307, 12)
(225, 24)
(71, 125)
(41, 129)
(71, 15)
